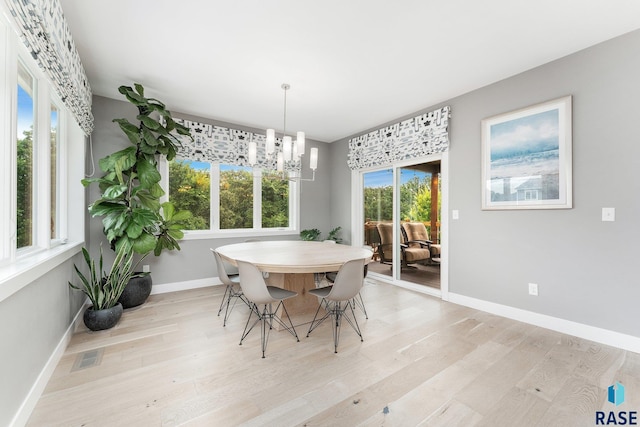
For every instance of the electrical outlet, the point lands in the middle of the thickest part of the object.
(455, 214)
(608, 214)
(533, 289)
(145, 268)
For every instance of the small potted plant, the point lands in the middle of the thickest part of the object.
(132, 215)
(314, 234)
(310, 234)
(104, 289)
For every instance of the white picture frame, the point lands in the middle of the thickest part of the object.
(527, 158)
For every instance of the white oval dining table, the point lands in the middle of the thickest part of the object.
(291, 264)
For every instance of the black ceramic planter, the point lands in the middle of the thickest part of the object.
(98, 320)
(136, 292)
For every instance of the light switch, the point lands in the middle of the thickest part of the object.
(608, 214)
(455, 214)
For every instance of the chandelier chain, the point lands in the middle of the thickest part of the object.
(286, 87)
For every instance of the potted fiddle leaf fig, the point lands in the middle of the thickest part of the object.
(132, 215)
(104, 289)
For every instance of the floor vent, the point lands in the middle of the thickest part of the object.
(88, 359)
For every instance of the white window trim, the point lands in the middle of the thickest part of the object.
(19, 270)
(7, 94)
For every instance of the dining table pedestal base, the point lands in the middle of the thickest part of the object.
(303, 306)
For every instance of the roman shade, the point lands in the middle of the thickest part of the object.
(415, 137)
(43, 29)
(223, 145)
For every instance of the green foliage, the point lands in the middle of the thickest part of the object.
(415, 201)
(24, 205)
(334, 235)
(309, 235)
(275, 201)
(102, 289)
(314, 234)
(133, 217)
(378, 203)
(236, 199)
(189, 189)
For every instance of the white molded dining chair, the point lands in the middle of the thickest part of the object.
(262, 298)
(229, 276)
(357, 301)
(336, 299)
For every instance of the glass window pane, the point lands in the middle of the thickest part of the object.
(378, 205)
(418, 190)
(420, 209)
(54, 172)
(275, 200)
(189, 189)
(236, 197)
(25, 158)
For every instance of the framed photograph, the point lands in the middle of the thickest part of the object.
(526, 158)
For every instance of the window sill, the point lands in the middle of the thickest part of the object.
(19, 274)
(228, 234)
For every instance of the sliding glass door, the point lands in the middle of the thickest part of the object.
(401, 213)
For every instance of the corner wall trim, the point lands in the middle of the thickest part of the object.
(592, 333)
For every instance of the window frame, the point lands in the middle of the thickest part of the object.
(18, 271)
(43, 98)
(257, 230)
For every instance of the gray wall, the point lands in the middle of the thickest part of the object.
(585, 268)
(32, 322)
(195, 261)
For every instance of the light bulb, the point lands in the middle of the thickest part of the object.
(253, 153)
(300, 142)
(313, 158)
(286, 148)
(270, 146)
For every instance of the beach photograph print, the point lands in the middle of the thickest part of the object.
(527, 158)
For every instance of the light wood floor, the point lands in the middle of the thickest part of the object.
(422, 362)
(426, 275)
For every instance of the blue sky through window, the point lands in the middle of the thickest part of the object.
(25, 112)
(384, 177)
(204, 166)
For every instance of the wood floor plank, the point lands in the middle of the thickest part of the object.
(575, 404)
(517, 408)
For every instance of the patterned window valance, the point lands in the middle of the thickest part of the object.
(217, 144)
(419, 136)
(43, 29)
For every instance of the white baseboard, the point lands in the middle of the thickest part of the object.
(592, 333)
(29, 403)
(183, 286)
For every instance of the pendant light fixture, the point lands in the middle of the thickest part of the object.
(290, 151)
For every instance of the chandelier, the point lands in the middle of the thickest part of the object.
(288, 153)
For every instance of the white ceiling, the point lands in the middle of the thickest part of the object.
(352, 64)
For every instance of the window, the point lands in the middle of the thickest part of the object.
(25, 159)
(231, 198)
(236, 197)
(41, 153)
(37, 184)
(190, 189)
(275, 201)
(54, 183)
